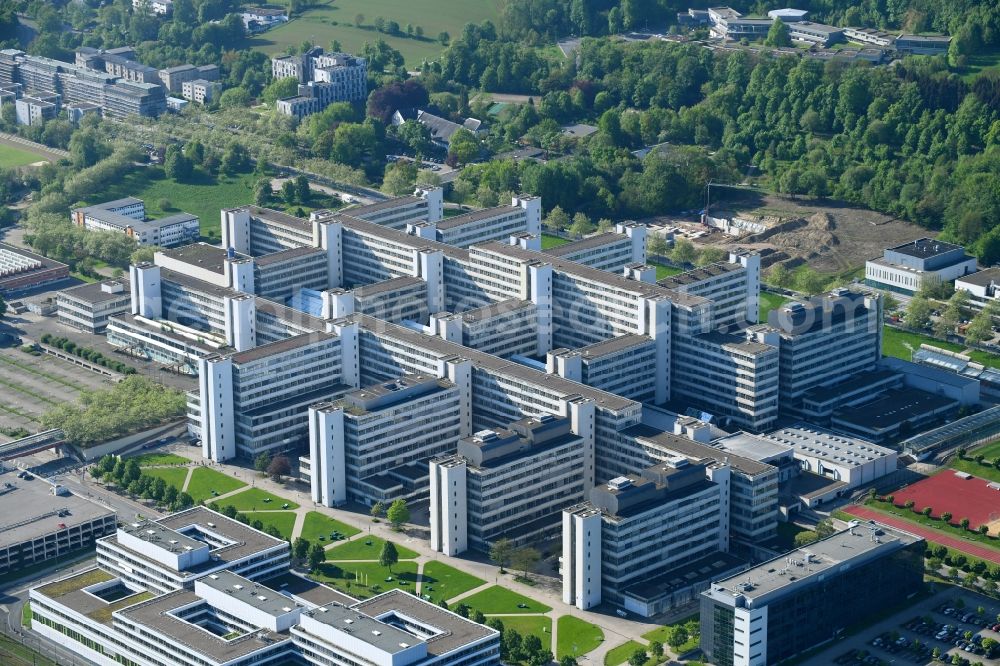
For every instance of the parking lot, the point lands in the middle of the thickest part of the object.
(30, 385)
(932, 631)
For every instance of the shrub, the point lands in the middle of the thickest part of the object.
(909, 504)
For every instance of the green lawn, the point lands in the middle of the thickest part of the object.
(894, 343)
(954, 531)
(576, 637)
(664, 271)
(316, 525)
(769, 301)
(620, 654)
(498, 600)
(690, 623)
(202, 196)
(11, 157)
(26, 614)
(351, 577)
(283, 520)
(980, 63)
(549, 241)
(204, 481)
(327, 20)
(983, 357)
(255, 499)
(365, 548)
(537, 625)
(150, 459)
(174, 476)
(441, 581)
(985, 471)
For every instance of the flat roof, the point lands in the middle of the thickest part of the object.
(614, 345)
(202, 255)
(699, 274)
(597, 240)
(393, 284)
(925, 247)
(158, 615)
(70, 592)
(245, 540)
(185, 280)
(290, 254)
(161, 536)
(281, 346)
(258, 595)
(46, 263)
(495, 310)
(308, 590)
(895, 406)
(802, 564)
(476, 216)
(457, 632)
(808, 440)
(30, 510)
(290, 315)
(983, 278)
(378, 206)
(696, 450)
(94, 292)
(703, 569)
(753, 447)
(364, 628)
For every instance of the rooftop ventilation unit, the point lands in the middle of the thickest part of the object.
(619, 483)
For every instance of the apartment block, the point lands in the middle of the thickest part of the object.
(373, 444)
(324, 78)
(505, 483)
(201, 91)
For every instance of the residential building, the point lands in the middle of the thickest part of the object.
(158, 7)
(21, 269)
(324, 78)
(261, 19)
(200, 91)
(783, 607)
(88, 307)
(374, 443)
(505, 483)
(906, 268)
(441, 129)
(638, 528)
(43, 521)
(35, 110)
(173, 78)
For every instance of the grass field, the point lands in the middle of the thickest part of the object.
(283, 520)
(985, 358)
(13, 653)
(664, 271)
(498, 600)
(620, 654)
(441, 581)
(576, 637)
(174, 476)
(151, 459)
(535, 625)
(317, 525)
(690, 623)
(769, 301)
(549, 241)
(255, 499)
(204, 481)
(954, 531)
(894, 343)
(14, 157)
(202, 196)
(365, 548)
(350, 577)
(980, 63)
(984, 471)
(327, 20)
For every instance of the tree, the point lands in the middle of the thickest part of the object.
(262, 461)
(280, 89)
(656, 647)
(501, 551)
(778, 35)
(302, 192)
(176, 165)
(524, 559)
(557, 219)
(638, 658)
(300, 548)
(359, 20)
(463, 146)
(684, 252)
(400, 178)
(964, 523)
(262, 193)
(288, 192)
(316, 556)
(479, 617)
(378, 508)
(779, 276)
(946, 517)
(280, 466)
(234, 98)
(825, 528)
(581, 225)
(388, 556)
(918, 312)
(805, 537)
(184, 501)
(444, 38)
(568, 660)
(398, 514)
(981, 326)
(927, 511)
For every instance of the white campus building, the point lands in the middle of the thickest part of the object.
(905, 268)
(324, 78)
(128, 216)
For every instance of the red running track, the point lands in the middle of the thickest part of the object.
(974, 549)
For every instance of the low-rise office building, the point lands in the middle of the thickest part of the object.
(21, 269)
(505, 484)
(173, 78)
(43, 521)
(89, 307)
(905, 268)
(981, 287)
(128, 216)
(923, 44)
(171, 553)
(373, 445)
(785, 606)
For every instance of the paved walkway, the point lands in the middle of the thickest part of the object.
(967, 547)
(616, 630)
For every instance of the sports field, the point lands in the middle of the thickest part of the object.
(971, 498)
(327, 20)
(15, 157)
